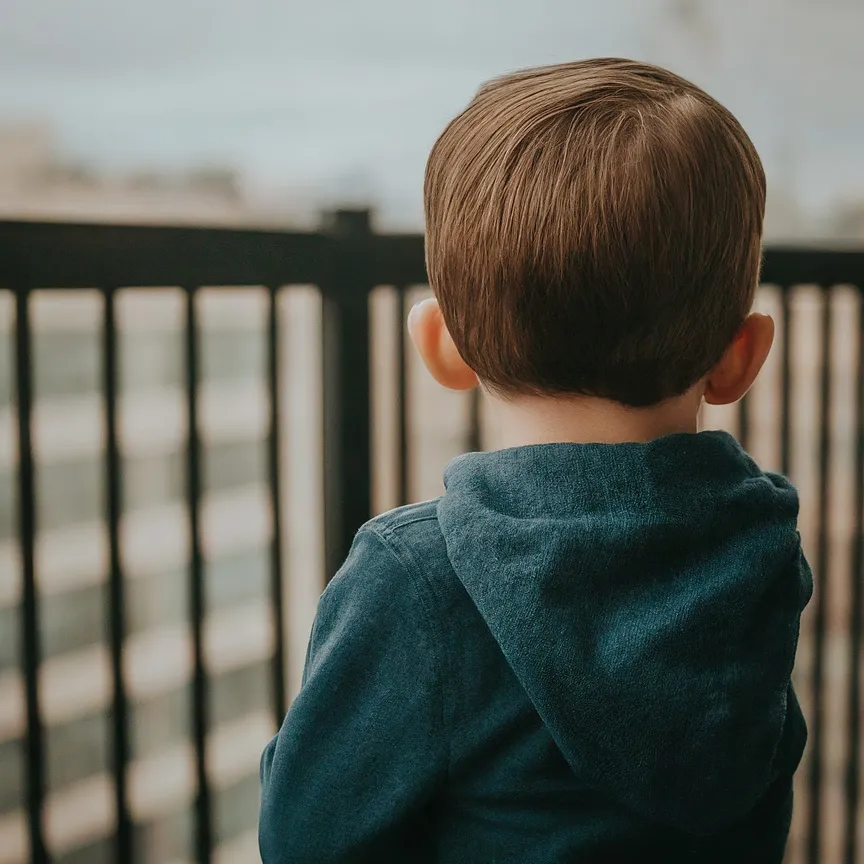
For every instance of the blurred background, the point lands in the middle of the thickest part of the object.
(262, 116)
(266, 111)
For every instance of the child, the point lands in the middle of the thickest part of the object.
(582, 651)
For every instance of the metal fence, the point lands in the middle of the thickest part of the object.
(346, 261)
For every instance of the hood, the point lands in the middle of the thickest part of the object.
(647, 597)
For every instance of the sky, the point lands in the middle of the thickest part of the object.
(343, 99)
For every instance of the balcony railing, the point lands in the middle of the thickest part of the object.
(805, 420)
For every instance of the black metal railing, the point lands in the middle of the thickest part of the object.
(346, 261)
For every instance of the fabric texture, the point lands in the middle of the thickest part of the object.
(579, 653)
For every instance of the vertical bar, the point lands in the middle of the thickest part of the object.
(474, 444)
(402, 396)
(276, 588)
(203, 833)
(744, 421)
(856, 613)
(30, 648)
(346, 386)
(818, 682)
(116, 601)
(786, 382)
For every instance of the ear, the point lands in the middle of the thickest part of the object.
(437, 349)
(733, 376)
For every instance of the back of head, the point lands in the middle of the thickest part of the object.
(594, 228)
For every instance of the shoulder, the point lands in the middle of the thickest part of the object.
(393, 560)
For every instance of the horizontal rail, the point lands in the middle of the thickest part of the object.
(80, 255)
(786, 266)
(68, 256)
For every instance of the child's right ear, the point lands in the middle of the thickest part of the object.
(436, 347)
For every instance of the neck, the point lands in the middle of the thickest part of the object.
(586, 419)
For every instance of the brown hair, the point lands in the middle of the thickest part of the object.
(594, 228)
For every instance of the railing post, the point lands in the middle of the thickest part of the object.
(116, 610)
(346, 394)
(31, 649)
(197, 598)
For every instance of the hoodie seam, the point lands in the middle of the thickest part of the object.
(391, 525)
(406, 559)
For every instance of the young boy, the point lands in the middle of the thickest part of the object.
(582, 651)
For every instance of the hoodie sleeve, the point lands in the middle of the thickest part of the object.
(362, 748)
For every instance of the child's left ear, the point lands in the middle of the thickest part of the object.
(436, 347)
(733, 376)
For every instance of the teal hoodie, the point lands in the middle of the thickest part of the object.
(580, 653)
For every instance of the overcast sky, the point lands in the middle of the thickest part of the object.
(349, 95)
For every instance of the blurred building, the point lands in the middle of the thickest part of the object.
(847, 222)
(37, 182)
